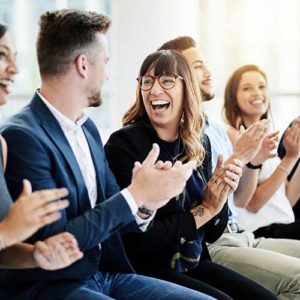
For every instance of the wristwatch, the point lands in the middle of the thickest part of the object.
(250, 166)
(145, 211)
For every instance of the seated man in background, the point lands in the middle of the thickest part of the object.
(273, 263)
(53, 143)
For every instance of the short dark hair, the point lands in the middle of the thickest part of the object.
(63, 35)
(180, 43)
(3, 29)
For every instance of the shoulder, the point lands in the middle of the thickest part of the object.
(134, 139)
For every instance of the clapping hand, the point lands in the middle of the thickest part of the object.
(57, 252)
(224, 181)
(30, 212)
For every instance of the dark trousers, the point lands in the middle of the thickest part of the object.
(280, 231)
(217, 281)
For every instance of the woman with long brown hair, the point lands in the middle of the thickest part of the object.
(268, 210)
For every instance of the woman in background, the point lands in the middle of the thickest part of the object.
(268, 210)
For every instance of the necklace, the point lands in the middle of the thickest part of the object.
(172, 150)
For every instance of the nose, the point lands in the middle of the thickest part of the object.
(206, 71)
(12, 67)
(156, 88)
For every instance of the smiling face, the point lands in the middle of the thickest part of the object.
(202, 73)
(252, 96)
(8, 68)
(164, 107)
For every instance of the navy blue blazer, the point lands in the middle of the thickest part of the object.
(39, 151)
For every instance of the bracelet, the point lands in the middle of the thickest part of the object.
(250, 166)
(2, 242)
(145, 211)
(285, 170)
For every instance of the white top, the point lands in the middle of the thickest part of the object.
(220, 144)
(277, 210)
(77, 140)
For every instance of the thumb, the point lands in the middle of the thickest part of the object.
(136, 168)
(242, 129)
(219, 162)
(152, 155)
(27, 189)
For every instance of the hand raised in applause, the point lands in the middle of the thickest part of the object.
(30, 212)
(151, 186)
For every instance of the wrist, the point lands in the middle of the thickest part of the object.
(144, 212)
(7, 239)
(136, 194)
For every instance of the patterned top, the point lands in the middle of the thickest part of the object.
(186, 255)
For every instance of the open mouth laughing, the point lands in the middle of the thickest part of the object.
(160, 105)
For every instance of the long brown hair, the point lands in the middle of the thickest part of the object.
(232, 112)
(192, 121)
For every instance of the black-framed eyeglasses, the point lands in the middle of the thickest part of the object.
(166, 82)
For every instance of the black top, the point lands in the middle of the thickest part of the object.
(281, 154)
(5, 199)
(174, 225)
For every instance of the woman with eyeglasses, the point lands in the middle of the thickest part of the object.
(168, 111)
(31, 211)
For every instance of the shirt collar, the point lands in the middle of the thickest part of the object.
(64, 122)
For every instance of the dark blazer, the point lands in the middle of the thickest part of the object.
(151, 249)
(39, 151)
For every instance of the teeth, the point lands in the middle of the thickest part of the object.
(159, 102)
(5, 82)
(258, 101)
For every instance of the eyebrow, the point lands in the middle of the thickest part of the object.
(4, 46)
(198, 62)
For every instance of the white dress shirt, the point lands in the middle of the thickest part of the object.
(79, 145)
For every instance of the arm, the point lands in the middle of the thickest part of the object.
(293, 187)
(19, 256)
(54, 253)
(246, 145)
(256, 196)
(4, 151)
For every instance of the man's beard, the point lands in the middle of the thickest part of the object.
(95, 100)
(207, 96)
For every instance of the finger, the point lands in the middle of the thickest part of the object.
(232, 184)
(42, 248)
(40, 198)
(51, 207)
(238, 162)
(219, 165)
(137, 165)
(27, 189)
(45, 220)
(152, 155)
(167, 165)
(159, 164)
(177, 163)
(234, 169)
(232, 176)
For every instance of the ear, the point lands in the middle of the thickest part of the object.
(81, 64)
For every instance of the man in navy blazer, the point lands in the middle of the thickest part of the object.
(52, 143)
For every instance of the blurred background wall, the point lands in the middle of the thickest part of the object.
(230, 32)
